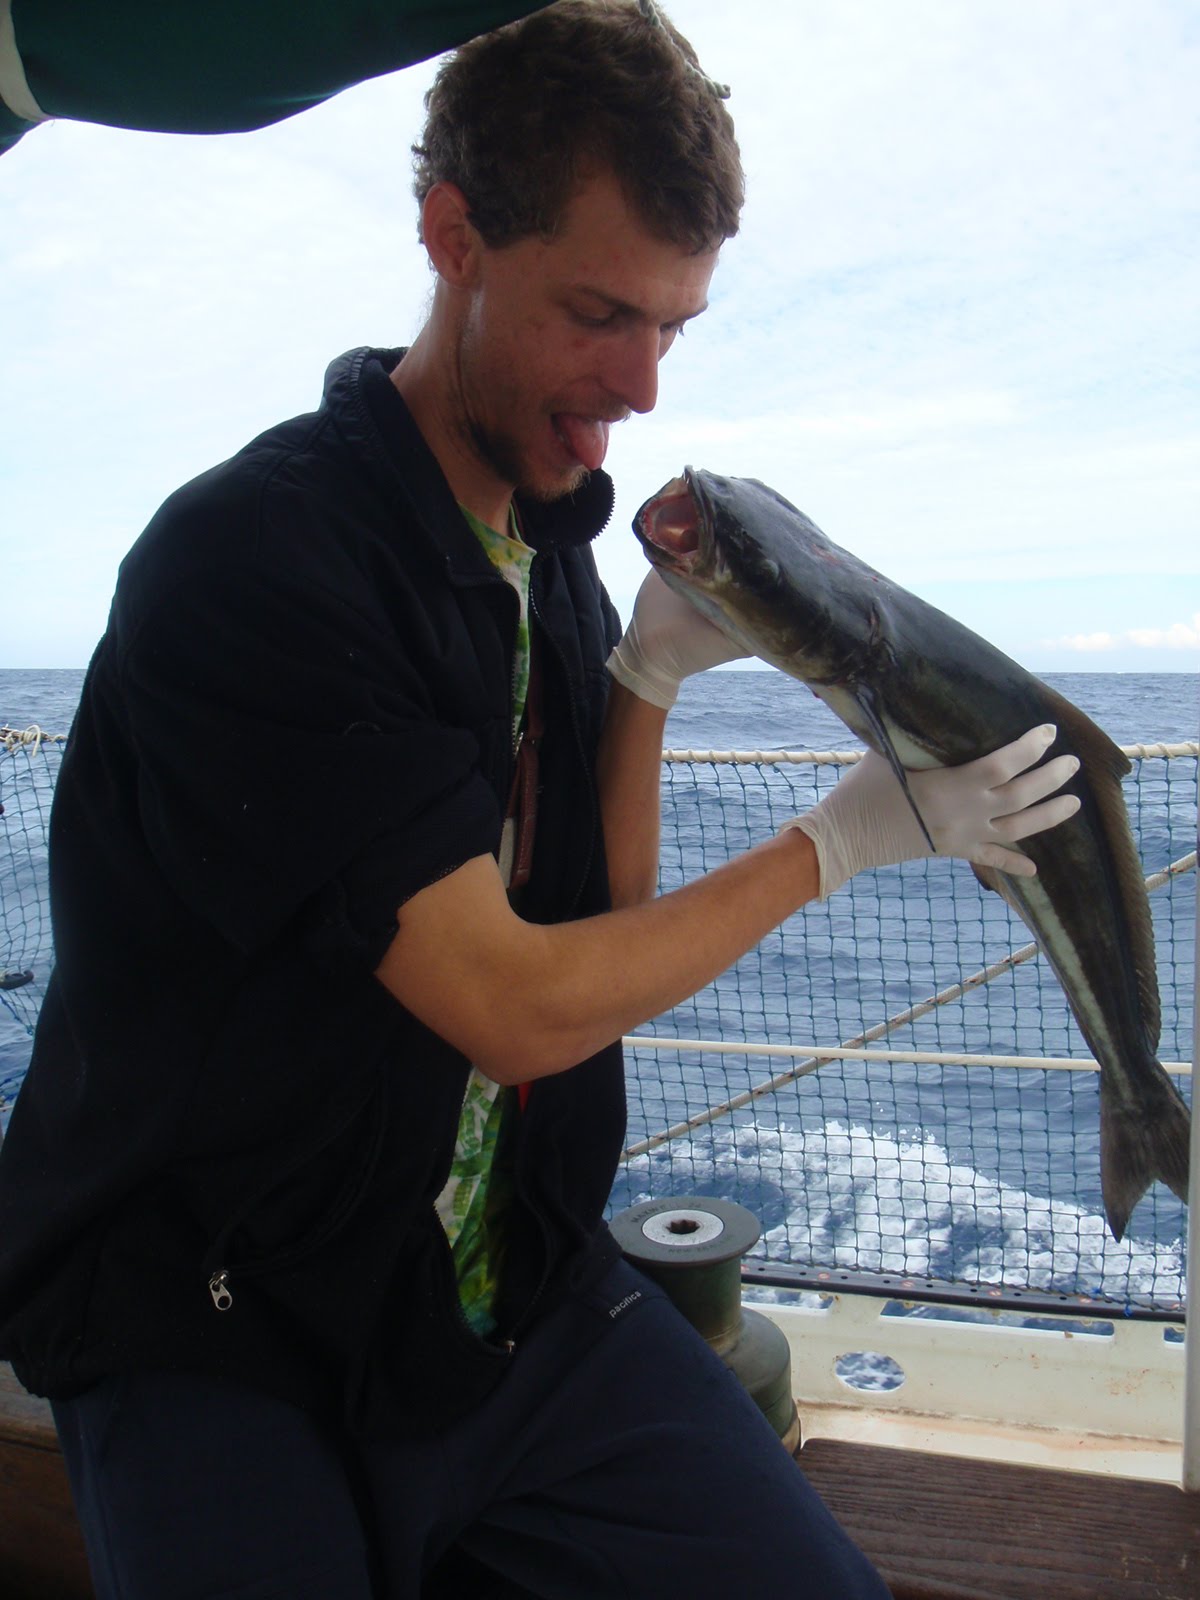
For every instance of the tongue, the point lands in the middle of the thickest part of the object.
(585, 437)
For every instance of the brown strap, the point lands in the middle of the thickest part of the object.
(522, 799)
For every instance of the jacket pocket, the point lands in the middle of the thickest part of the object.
(324, 1203)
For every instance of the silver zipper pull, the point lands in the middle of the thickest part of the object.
(221, 1296)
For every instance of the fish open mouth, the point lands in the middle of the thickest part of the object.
(671, 525)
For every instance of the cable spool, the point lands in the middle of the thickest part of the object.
(692, 1247)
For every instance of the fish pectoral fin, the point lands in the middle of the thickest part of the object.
(865, 699)
(990, 879)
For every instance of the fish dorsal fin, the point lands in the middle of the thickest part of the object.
(1089, 741)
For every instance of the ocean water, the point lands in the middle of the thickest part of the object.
(967, 1176)
(45, 697)
(752, 710)
(767, 711)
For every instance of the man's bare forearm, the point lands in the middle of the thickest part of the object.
(524, 1001)
(628, 771)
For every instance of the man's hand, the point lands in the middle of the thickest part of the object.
(977, 811)
(667, 640)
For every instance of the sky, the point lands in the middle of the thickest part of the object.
(959, 326)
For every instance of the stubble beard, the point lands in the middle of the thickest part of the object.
(502, 454)
(497, 449)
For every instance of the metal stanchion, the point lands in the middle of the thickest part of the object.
(1191, 1384)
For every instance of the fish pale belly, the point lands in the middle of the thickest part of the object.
(1037, 910)
(844, 705)
(1144, 1121)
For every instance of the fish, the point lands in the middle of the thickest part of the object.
(923, 690)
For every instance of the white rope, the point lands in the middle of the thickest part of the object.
(1143, 752)
(847, 758)
(11, 737)
(32, 737)
(766, 758)
(1184, 864)
(656, 20)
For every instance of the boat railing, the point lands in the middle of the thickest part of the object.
(934, 1243)
(891, 1080)
(950, 1136)
(893, 1083)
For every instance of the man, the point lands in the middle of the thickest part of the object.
(354, 853)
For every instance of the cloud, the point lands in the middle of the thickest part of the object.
(1087, 643)
(1178, 636)
(949, 329)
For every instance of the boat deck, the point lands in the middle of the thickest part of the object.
(938, 1527)
(944, 1528)
(41, 1552)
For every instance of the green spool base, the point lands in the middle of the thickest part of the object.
(692, 1247)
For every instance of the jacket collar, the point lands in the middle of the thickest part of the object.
(372, 416)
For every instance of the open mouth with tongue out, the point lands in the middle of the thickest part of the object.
(585, 437)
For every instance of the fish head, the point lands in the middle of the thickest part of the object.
(767, 576)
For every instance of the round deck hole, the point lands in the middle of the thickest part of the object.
(684, 1227)
(869, 1371)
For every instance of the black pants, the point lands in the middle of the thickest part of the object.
(619, 1458)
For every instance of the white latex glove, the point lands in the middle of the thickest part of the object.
(975, 811)
(667, 640)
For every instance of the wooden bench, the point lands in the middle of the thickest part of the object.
(945, 1528)
(937, 1527)
(41, 1551)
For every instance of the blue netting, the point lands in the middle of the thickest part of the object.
(969, 1176)
(28, 770)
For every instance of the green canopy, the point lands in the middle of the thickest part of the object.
(213, 66)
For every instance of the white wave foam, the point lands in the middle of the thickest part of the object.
(868, 1202)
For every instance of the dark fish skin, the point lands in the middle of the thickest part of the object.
(923, 690)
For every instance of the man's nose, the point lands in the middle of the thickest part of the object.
(634, 377)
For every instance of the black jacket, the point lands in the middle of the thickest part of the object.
(298, 716)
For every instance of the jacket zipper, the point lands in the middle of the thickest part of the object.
(522, 1196)
(218, 1278)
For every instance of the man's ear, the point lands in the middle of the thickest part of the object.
(453, 244)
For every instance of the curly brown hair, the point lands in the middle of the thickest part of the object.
(519, 117)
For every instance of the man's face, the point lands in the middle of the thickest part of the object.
(561, 338)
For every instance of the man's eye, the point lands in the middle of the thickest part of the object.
(605, 320)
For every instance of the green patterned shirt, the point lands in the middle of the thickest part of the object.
(472, 1204)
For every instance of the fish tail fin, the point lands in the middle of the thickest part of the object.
(1140, 1143)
